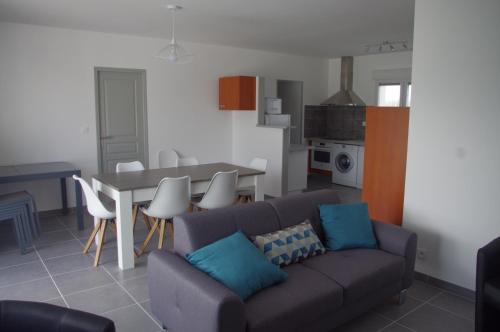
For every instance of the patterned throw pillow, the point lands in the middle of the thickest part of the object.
(291, 244)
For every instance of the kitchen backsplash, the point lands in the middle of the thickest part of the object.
(340, 122)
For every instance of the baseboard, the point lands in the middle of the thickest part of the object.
(56, 212)
(462, 291)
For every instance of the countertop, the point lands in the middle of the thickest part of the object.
(299, 147)
(338, 141)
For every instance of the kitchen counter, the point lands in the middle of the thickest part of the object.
(338, 141)
(298, 147)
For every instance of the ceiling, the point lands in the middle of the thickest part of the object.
(324, 28)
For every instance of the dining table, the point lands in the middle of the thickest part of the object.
(47, 170)
(131, 187)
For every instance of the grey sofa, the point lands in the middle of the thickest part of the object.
(320, 293)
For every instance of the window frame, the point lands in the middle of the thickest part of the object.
(403, 91)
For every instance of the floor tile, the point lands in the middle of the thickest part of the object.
(99, 300)
(432, 319)
(80, 280)
(68, 263)
(37, 290)
(22, 273)
(146, 305)
(59, 249)
(52, 224)
(369, 322)
(396, 328)
(53, 237)
(139, 270)
(138, 288)
(422, 291)
(455, 304)
(15, 257)
(57, 301)
(395, 311)
(132, 319)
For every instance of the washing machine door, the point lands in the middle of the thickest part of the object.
(344, 162)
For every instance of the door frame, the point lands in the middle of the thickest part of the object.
(97, 70)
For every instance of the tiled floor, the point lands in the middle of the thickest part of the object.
(57, 272)
(346, 194)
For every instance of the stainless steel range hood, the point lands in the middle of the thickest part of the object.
(345, 97)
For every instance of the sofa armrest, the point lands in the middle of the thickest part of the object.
(398, 241)
(186, 299)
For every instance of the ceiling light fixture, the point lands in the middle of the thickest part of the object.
(387, 46)
(174, 52)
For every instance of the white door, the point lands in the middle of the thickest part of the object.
(121, 117)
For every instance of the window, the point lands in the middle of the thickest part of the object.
(394, 94)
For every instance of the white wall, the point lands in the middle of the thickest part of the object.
(453, 179)
(47, 95)
(364, 67)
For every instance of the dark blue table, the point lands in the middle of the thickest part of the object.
(41, 171)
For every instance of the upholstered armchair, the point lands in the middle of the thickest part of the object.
(488, 287)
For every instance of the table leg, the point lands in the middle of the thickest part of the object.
(79, 206)
(96, 220)
(124, 230)
(64, 196)
(259, 187)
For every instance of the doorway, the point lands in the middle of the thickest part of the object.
(121, 117)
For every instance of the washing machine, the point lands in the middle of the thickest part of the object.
(345, 164)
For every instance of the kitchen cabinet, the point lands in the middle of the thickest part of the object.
(386, 140)
(237, 93)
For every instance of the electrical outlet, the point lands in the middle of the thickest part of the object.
(421, 252)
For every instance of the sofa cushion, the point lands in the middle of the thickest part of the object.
(195, 230)
(305, 296)
(235, 262)
(347, 226)
(358, 271)
(295, 209)
(291, 244)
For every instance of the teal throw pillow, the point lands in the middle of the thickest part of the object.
(347, 226)
(235, 262)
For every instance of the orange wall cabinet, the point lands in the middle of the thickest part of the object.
(237, 93)
(386, 140)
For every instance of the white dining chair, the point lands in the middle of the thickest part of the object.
(168, 158)
(246, 194)
(221, 191)
(172, 197)
(97, 209)
(188, 161)
(133, 166)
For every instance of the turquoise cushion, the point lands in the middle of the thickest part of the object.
(235, 262)
(347, 226)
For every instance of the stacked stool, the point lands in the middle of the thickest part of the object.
(20, 207)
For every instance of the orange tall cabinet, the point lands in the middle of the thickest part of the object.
(237, 93)
(386, 141)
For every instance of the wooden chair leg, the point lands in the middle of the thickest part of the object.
(101, 241)
(135, 210)
(92, 237)
(161, 236)
(148, 237)
(146, 221)
(250, 198)
(171, 230)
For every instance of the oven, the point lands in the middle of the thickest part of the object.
(322, 156)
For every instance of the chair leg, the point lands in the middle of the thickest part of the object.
(101, 241)
(171, 229)
(92, 237)
(135, 210)
(146, 221)
(161, 237)
(148, 238)
(250, 198)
